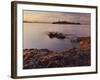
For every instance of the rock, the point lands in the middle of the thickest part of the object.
(71, 57)
(44, 58)
(56, 35)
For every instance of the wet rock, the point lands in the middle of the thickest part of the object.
(44, 58)
(56, 35)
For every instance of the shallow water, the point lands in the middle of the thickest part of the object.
(35, 35)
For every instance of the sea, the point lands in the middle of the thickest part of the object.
(35, 35)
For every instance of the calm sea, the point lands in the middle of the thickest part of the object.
(35, 35)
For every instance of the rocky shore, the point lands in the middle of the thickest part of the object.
(44, 58)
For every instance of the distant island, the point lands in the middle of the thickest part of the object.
(56, 22)
(65, 22)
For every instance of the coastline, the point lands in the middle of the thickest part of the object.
(44, 58)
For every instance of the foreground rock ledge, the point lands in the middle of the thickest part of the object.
(35, 58)
(44, 58)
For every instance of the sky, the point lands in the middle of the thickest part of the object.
(48, 16)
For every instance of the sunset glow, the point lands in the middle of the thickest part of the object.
(38, 16)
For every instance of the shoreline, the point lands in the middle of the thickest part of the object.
(44, 58)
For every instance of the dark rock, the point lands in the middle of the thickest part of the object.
(56, 35)
(44, 58)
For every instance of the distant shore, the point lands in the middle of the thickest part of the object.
(44, 58)
(65, 22)
(56, 22)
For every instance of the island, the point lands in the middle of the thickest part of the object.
(65, 22)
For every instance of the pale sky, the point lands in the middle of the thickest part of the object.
(43, 16)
